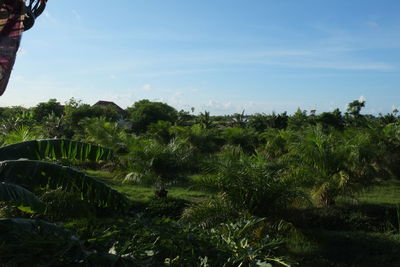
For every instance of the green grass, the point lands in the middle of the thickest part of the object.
(347, 243)
(322, 248)
(358, 234)
(386, 192)
(143, 193)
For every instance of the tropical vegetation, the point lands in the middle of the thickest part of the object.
(85, 185)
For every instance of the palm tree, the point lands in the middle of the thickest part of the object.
(332, 163)
(250, 183)
(156, 163)
(205, 120)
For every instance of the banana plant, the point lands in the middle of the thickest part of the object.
(55, 149)
(23, 198)
(24, 240)
(33, 174)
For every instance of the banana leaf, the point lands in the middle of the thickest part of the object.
(26, 242)
(20, 196)
(55, 149)
(32, 175)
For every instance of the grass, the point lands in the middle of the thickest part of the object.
(321, 248)
(362, 233)
(386, 192)
(143, 193)
(357, 234)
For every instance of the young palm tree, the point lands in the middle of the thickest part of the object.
(251, 183)
(332, 163)
(156, 163)
(103, 132)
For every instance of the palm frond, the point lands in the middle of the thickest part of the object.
(210, 212)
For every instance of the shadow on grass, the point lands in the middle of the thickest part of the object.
(357, 249)
(349, 217)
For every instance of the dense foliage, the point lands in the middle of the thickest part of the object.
(269, 179)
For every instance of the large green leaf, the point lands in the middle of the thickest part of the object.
(55, 149)
(25, 242)
(33, 174)
(20, 196)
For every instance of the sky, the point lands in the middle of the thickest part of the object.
(223, 56)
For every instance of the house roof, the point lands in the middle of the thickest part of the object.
(109, 103)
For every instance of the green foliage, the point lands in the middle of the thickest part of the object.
(333, 163)
(245, 138)
(160, 131)
(239, 120)
(203, 140)
(353, 115)
(211, 212)
(20, 134)
(250, 183)
(144, 112)
(36, 174)
(157, 163)
(55, 149)
(298, 120)
(354, 107)
(205, 120)
(158, 242)
(53, 126)
(261, 122)
(332, 119)
(74, 112)
(166, 207)
(276, 143)
(103, 132)
(270, 163)
(27, 242)
(44, 109)
(246, 247)
(21, 197)
(62, 205)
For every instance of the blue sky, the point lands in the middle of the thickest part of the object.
(221, 56)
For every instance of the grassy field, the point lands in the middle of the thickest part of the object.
(358, 234)
(361, 234)
(387, 192)
(184, 190)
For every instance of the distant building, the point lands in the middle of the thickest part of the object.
(120, 110)
(110, 104)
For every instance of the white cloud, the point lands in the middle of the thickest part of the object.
(147, 87)
(176, 99)
(362, 99)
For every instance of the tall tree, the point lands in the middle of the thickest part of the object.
(144, 112)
